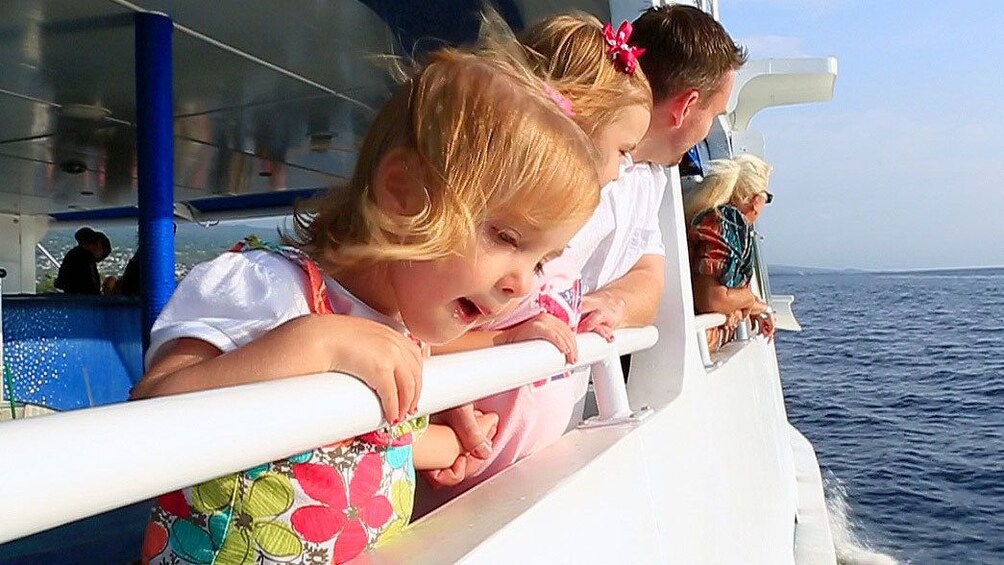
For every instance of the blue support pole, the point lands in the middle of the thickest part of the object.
(155, 163)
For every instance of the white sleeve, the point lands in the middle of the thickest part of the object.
(652, 203)
(230, 301)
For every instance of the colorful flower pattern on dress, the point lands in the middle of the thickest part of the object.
(327, 505)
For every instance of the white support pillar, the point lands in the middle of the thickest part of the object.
(18, 236)
(33, 229)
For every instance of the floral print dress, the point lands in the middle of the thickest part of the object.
(326, 505)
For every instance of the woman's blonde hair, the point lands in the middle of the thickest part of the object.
(491, 144)
(729, 181)
(570, 52)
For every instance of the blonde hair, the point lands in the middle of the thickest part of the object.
(570, 52)
(491, 144)
(729, 181)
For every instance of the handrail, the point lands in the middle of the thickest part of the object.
(707, 321)
(102, 458)
(47, 255)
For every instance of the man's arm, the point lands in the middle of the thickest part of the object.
(630, 301)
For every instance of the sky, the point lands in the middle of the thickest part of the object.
(904, 168)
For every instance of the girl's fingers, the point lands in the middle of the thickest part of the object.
(604, 332)
(573, 346)
(417, 378)
(568, 348)
(489, 424)
(592, 321)
(386, 390)
(405, 381)
(415, 369)
(412, 355)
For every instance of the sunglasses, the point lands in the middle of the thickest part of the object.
(768, 197)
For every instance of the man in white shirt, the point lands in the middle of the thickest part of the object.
(691, 64)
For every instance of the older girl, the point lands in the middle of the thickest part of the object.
(594, 69)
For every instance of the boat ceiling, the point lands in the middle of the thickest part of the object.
(270, 97)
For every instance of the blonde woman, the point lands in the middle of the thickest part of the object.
(721, 211)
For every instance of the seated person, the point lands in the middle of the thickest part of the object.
(78, 273)
(129, 283)
(720, 211)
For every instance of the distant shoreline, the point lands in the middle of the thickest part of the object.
(791, 270)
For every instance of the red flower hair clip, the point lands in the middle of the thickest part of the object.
(623, 54)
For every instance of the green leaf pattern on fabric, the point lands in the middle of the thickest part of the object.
(214, 495)
(277, 539)
(271, 494)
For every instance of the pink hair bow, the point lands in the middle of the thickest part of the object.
(622, 53)
(560, 99)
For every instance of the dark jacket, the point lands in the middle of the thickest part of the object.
(78, 274)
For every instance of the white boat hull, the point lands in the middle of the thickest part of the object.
(709, 478)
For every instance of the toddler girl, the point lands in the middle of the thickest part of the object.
(594, 67)
(470, 178)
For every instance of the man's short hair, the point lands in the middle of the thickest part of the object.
(684, 48)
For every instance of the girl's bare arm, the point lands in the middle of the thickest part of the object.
(439, 447)
(384, 359)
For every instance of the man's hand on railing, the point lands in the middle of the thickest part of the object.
(476, 443)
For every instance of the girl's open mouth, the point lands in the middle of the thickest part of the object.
(468, 311)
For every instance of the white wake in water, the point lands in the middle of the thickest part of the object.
(850, 549)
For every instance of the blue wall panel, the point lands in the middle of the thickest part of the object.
(56, 347)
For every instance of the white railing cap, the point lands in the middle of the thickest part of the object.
(63, 467)
(706, 321)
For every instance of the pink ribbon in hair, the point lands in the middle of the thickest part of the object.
(623, 54)
(560, 99)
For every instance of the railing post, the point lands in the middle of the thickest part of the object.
(743, 330)
(611, 395)
(608, 383)
(702, 346)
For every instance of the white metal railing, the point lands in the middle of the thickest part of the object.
(48, 255)
(67, 466)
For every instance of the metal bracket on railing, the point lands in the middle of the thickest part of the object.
(611, 396)
(703, 323)
(702, 346)
(743, 330)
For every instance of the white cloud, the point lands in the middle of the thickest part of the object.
(765, 46)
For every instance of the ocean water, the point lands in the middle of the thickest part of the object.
(898, 381)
